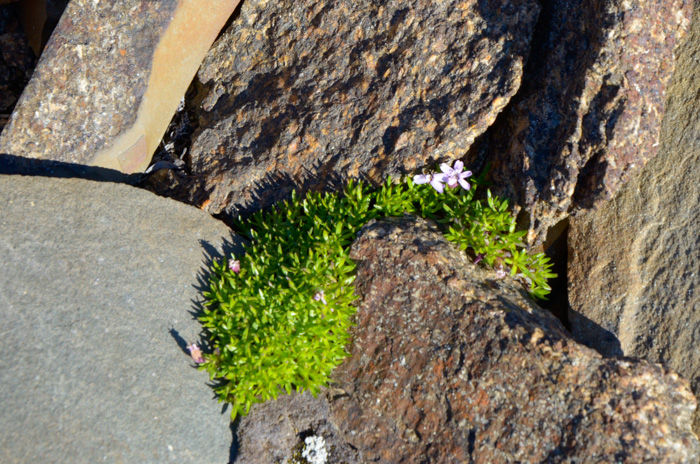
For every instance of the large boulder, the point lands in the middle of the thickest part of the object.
(634, 264)
(589, 112)
(98, 286)
(310, 94)
(449, 364)
(110, 80)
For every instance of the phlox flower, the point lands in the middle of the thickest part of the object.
(452, 176)
(456, 175)
(435, 180)
(235, 266)
(196, 353)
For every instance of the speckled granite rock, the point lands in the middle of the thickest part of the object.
(634, 264)
(590, 109)
(299, 94)
(110, 79)
(450, 365)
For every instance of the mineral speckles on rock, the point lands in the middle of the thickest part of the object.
(299, 94)
(450, 365)
(90, 79)
(110, 80)
(590, 109)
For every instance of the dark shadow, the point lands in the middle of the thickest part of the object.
(17, 165)
(593, 335)
(556, 249)
(181, 342)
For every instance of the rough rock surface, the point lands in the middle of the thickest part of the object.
(16, 62)
(589, 112)
(110, 79)
(299, 94)
(97, 285)
(634, 264)
(271, 431)
(449, 364)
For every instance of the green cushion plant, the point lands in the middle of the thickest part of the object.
(278, 317)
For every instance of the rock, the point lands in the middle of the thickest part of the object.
(272, 430)
(16, 62)
(306, 95)
(98, 283)
(589, 112)
(110, 79)
(634, 264)
(449, 364)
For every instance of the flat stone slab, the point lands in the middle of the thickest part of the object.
(97, 285)
(634, 264)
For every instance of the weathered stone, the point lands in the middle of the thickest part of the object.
(589, 112)
(272, 430)
(634, 264)
(98, 282)
(303, 95)
(16, 62)
(449, 364)
(110, 80)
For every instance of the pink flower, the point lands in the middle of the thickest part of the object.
(320, 296)
(454, 175)
(196, 353)
(235, 266)
(435, 180)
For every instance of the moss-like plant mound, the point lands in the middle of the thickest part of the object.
(278, 317)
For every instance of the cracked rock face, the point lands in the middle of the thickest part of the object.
(634, 263)
(589, 113)
(299, 94)
(450, 365)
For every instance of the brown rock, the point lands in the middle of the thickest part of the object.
(449, 364)
(634, 264)
(299, 94)
(590, 109)
(274, 429)
(110, 80)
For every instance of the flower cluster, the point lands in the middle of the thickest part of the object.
(452, 176)
(315, 450)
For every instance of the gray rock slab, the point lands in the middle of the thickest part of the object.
(634, 264)
(98, 282)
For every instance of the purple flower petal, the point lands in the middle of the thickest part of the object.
(444, 167)
(437, 184)
(465, 185)
(458, 166)
(422, 178)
